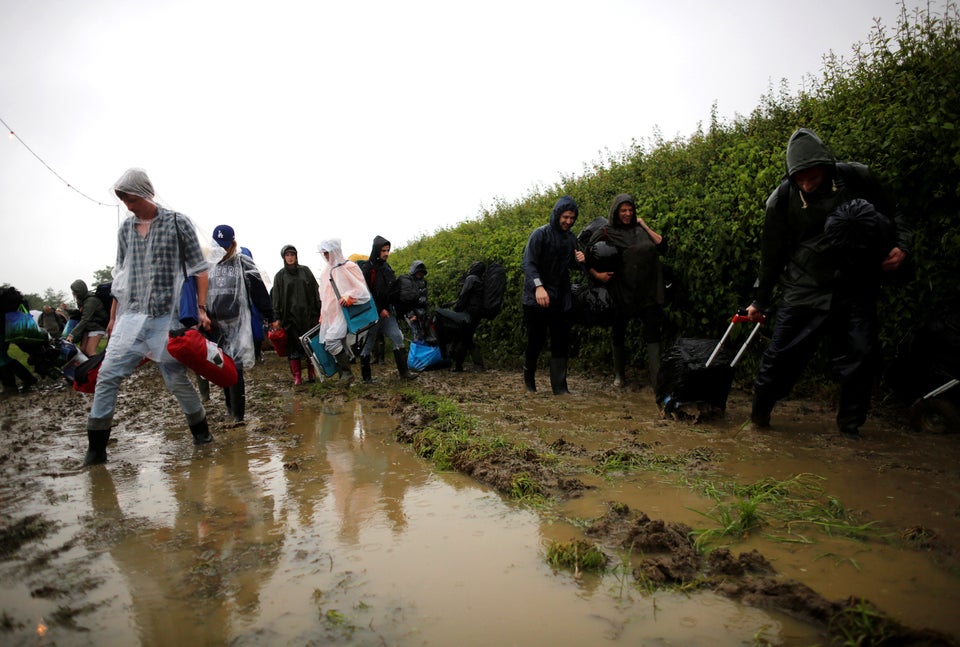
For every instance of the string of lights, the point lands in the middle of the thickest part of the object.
(14, 135)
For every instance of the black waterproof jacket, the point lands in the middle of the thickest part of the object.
(471, 294)
(379, 275)
(792, 240)
(548, 258)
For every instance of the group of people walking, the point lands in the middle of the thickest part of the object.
(825, 288)
(830, 235)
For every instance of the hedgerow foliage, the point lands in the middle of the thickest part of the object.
(892, 104)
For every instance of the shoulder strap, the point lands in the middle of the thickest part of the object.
(183, 259)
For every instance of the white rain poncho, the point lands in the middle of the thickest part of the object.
(148, 274)
(350, 283)
(228, 303)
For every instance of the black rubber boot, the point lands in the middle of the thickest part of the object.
(203, 387)
(400, 356)
(653, 364)
(760, 411)
(619, 366)
(311, 372)
(558, 375)
(528, 379)
(235, 397)
(96, 447)
(201, 433)
(343, 364)
(365, 372)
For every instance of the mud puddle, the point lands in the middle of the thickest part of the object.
(328, 532)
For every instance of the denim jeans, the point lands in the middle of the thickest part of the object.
(137, 337)
(391, 330)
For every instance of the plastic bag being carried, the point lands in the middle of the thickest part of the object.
(21, 327)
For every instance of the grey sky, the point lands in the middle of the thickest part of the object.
(299, 121)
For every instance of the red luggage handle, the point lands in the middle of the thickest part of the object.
(739, 317)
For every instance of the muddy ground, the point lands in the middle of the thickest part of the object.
(900, 489)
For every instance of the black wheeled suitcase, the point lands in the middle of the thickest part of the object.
(699, 372)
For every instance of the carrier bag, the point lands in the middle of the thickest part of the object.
(359, 316)
(20, 326)
(85, 373)
(593, 305)
(202, 356)
(423, 356)
(313, 346)
(278, 338)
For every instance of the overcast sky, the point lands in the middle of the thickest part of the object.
(297, 121)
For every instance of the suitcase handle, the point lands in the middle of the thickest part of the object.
(739, 317)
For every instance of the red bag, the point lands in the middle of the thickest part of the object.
(85, 374)
(202, 356)
(278, 337)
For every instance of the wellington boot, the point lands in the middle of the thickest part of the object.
(619, 366)
(96, 447)
(400, 357)
(558, 375)
(295, 369)
(653, 364)
(365, 374)
(201, 433)
(343, 365)
(311, 373)
(529, 380)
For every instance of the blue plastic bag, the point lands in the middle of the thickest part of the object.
(423, 356)
(21, 327)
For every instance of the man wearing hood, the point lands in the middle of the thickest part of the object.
(380, 278)
(156, 249)
(548, 256)
(821, 294)
(634, 279)
(93, 319)
(296, 305)
(418, 312)
(470, 300)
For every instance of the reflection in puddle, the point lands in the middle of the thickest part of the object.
(331, 532)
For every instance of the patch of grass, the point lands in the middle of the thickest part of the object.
(525, 489)
(784, 507)
(577, 555)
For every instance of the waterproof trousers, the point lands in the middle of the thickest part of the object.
(851, 328)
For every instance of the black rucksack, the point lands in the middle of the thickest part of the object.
(103, 293)
(494, 287)
(404, 293)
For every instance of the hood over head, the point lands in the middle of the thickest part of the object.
(565, 203)
(614, 219)
(79, 287)
(378, 243)
(332, 246)
(288, 248)
(135, 182)
(806, 150)
(477, 268)
(418, 266)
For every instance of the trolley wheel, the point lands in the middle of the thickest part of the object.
(935, 416)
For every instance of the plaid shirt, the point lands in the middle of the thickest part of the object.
(154, 262)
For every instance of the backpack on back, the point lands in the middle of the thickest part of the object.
(102, 292)
(404, 293)
(494, 287)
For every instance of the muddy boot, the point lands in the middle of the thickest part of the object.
(311, 373)
(558, 375)
(96, 446)
(760, 411)
(201, 432)
(203, 387)
(365, 373)
(528, 379)
(477, 358)
(400, 356)
(343, 364)
(236, 401)
(295, 369)
(653, 364)
(619, 366)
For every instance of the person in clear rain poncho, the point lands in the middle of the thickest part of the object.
(353, 290)
(235, 282)
(155, 246)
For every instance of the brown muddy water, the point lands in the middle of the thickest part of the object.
(324, 529)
